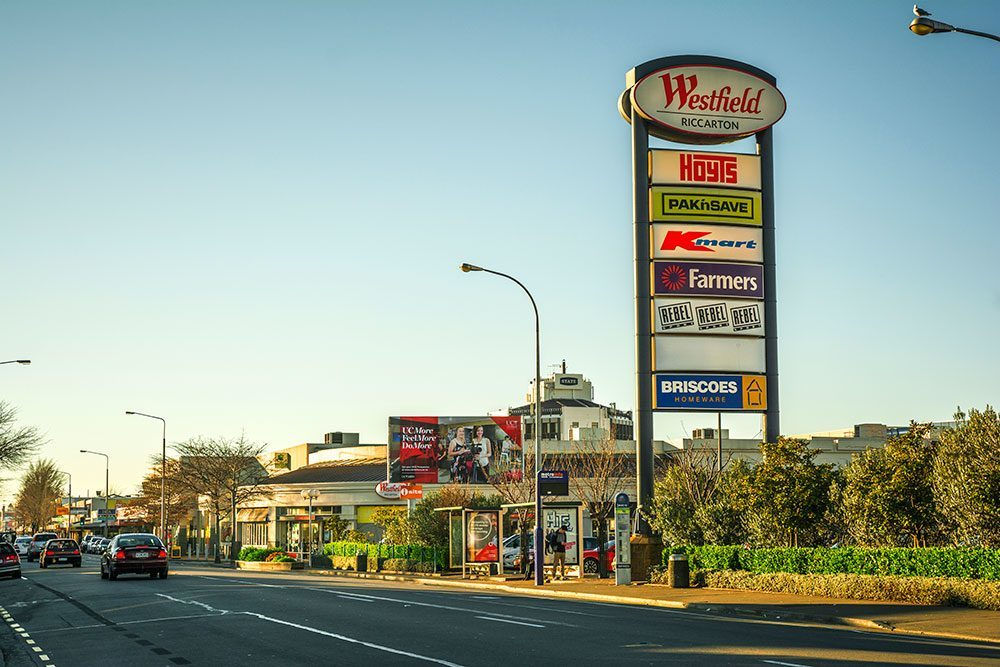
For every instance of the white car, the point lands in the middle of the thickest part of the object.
(512, 548)
(21, 544)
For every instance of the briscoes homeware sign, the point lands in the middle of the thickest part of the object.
(708, 100)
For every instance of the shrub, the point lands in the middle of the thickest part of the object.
(415, 552)
(398, 565)
(964, 563)
(922, 590)
(256, 553)
(343, 562)
(284, 558)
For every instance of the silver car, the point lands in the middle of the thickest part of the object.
(21, 545)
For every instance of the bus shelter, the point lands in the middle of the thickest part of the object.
(555, 514)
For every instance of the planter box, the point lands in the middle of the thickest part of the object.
(263, 566)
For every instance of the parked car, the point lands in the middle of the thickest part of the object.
(10, 563)
(134, 553)
(38, 541)
(86, 542)
(512, 548)
(591, 559)
(98, 545)
(21, 545)
(61, 551)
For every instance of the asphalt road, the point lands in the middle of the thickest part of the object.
(202, 615)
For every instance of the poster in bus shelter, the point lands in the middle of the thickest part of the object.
(553, 519)
(482, 536)
(461, 450)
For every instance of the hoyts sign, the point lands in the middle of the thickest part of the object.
(708, 101)
(724, 170)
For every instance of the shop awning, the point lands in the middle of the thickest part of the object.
(252, 514)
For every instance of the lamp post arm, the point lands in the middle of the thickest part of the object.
(978, 34)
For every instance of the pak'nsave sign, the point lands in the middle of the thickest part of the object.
(718, 205)
(710, 392)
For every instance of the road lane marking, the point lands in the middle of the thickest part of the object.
(299, 626)
(505, 620)
(347, 597)
(786, 664)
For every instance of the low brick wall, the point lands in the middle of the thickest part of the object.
(263, 566)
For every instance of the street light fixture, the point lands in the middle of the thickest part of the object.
(23, 362)
(163, 475)
(925, 26)
(539, 558)
(310, 495)
(107, 501)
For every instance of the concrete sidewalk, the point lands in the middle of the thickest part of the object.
(901, 617)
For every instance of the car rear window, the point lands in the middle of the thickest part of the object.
(45, 537)
(22, 540)
(139, 541)
(6, 549)
(62, 545)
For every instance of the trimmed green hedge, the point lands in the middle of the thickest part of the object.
(902, 562)
(255, 554)
(411, 552)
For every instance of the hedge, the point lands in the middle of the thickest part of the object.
(976, 593)
(412, 552)
(256, 554)
(962, 563)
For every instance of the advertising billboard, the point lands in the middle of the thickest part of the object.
(553, 518)
(721, 170)
(708, 353)
(688, 315)
(707, 242)
(442, 450)
(713, 205)
(482, 536)
(709, 392)
(708, 279)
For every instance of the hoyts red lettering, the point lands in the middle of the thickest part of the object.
(708, 168)
(682, 88)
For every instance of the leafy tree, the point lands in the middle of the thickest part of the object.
(685, 496)
(17, 443)
(38, 495)
(888, 498)
(966, 478)
(337, 527)
(789, 494)
(430, 527)
(395, 524)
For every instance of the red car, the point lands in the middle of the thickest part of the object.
(590, 558)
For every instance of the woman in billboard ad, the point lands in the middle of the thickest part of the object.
(443, 450)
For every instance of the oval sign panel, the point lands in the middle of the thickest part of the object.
(708, 102)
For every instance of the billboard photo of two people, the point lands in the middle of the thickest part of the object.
(461, 450)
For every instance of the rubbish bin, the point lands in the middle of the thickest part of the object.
(677, 571)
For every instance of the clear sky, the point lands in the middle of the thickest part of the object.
(250, 215)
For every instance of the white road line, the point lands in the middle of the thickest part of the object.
(299, 626)
(786, 664)
(346, 597)
(504, 620)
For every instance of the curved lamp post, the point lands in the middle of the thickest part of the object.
(23, 362)
(107, 500)
(925, 26)
(163, 475)
(539, 550)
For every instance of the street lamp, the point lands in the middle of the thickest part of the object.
(107, 501)
(163, 475)
(23, 362)
(539, 551)
(310, 495)
(69, 515)
(925, 26)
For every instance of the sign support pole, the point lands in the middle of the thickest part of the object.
(643, 325)
(771, 428)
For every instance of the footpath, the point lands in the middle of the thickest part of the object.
(898, 617)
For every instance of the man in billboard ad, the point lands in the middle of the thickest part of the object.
(482, 536)
(463, 450)
(555, 539)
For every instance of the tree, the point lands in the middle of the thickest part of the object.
(684, 489)
(516, 486)
(395, 524)
(226, 472)
(41, 486)
(966, 478)
(789, 494)
(179, 499)
(888, 497)
(599, 473)
(17, 443)
(337, 527)
(430, 527)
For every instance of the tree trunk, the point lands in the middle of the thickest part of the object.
(215, 538)
(602, 540)
(232, 532)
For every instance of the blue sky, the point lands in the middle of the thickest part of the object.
(249, 215)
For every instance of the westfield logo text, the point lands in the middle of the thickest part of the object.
(681, 89)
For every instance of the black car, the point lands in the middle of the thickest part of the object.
(10, 562)
(38, 542)
(134, 553)
(60, 552)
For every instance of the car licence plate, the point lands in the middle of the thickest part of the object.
(61, 560)
(142, 554)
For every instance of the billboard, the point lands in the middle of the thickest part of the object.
(553, 518)
(482, 536)
(708, 279)
(442, 450)
(714, 205)
(708, 353)
(709, 392)
(709, 242)
(721, 170)
(689, 315)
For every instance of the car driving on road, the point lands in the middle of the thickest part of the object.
(66, 552)
(10, 563)
(38, 541)
(21, 545)
(134, 553)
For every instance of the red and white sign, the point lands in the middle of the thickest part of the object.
(411, 492)
(389, 490)
(708, 101)
(724, 170)
(710, 242)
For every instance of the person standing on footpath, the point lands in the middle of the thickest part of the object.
(559, 553)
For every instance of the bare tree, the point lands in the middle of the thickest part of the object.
(177, 495)
(17, 443)
(38, 495)
(226, 472)
(516, 486)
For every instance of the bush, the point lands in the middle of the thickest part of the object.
(256, 553)
(956, 592)
(284, 558)
(398, 565)
(376, 552)
(964, 563)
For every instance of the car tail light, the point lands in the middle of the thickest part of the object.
(120, 554)
(76, 552)
(10, 558)
(49, 553)
(162, 554)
